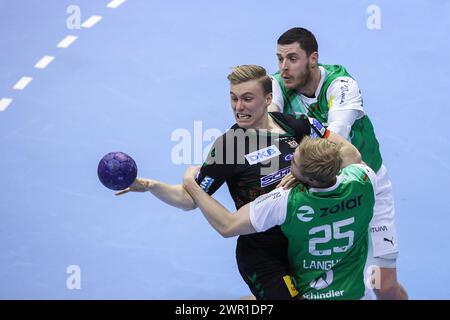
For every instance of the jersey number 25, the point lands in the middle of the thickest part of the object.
(331, 233)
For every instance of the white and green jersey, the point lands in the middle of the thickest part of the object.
(327, 230)
(337, 90)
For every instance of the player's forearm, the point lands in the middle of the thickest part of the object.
(349, 155)
(174, 195)
(348, 152)
(216, 214)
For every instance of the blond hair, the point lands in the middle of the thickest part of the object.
(244, 73)
(319, 159)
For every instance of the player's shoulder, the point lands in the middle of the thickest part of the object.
(289, 119)
(344, 82)
(357, 167)
(337, 69)
(337, 73)
(281, 116)
(300, 123)
(276, 195)
(360, 172)
(343, 87)
(339, 76)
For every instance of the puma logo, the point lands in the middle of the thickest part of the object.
(391, 241)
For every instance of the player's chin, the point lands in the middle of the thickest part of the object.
(289, 84)
(245, 124)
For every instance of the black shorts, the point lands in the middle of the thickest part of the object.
(262, 259)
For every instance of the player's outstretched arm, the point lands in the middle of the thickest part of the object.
(349, 153)
(222, 220)
(174, 195)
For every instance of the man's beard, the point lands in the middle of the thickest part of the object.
(306, 78)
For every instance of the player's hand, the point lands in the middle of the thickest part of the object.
(288, 181)
(139, 185)
(189, 175)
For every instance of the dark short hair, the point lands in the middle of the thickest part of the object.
(302, 36)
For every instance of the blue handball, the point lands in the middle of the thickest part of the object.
(117, 170)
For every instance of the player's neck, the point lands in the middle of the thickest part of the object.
(310, 88)
(262, 124)
(269, 124)
(325, 185)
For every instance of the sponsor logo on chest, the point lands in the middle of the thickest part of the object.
(274, 177)
(262, 155)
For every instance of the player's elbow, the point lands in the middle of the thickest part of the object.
(226, 231)
(189, 206)
(229, 228)
(350, 155)
(225, 234)
(353, 154)
(357, 158)
(230, 234)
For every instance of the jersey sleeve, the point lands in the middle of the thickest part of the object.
(356, 171)
(277, 94)
(341, 122)
(269, 210)
(383, 229)
(370, 173)
(344, 94)
(216, 170)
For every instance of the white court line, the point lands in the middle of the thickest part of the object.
(91, 21)
(115, 3)
(22, 83)
(4, 103)
(44, 62)
(67, 41)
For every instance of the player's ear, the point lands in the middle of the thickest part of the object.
(312, 182)
(314, 59)
(268, 99)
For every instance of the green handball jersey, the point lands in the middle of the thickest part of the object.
(337, 90)
(327, 230)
